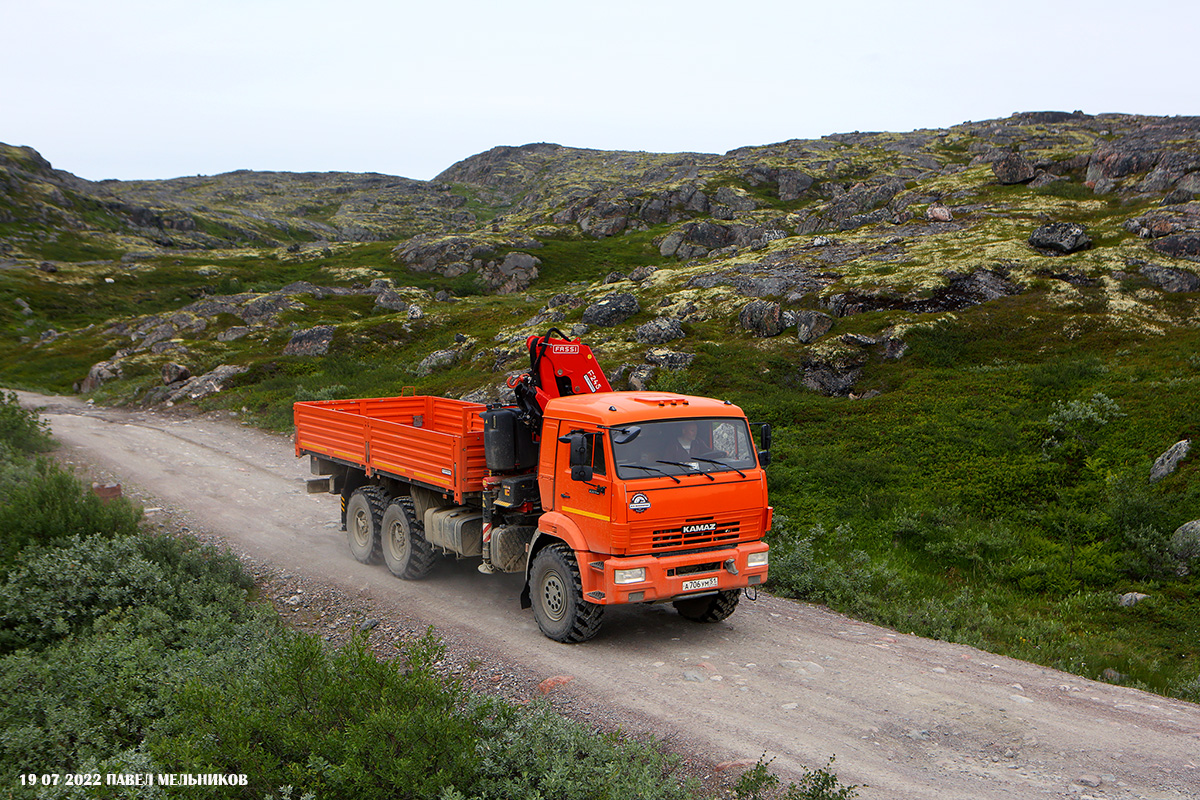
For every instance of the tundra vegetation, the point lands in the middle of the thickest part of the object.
(973, 343)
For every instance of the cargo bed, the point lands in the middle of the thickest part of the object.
(427, 440)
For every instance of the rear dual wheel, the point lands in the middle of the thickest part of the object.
(364, 515)
(405, 551)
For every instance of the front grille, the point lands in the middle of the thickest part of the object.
(714, 532)
(696, 533)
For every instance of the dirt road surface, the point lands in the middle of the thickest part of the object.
(906, 717)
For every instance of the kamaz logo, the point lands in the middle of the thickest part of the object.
(565, 349)
(707, 527)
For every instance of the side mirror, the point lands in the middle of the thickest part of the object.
(579, 457)
(764, 455)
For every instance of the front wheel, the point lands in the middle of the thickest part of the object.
(557, 593)
(710, 608)
(405, 551)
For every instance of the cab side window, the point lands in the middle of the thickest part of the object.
(595, 445)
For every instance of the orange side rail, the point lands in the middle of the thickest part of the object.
(436, 441)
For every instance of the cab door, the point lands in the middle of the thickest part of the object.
(588, 502)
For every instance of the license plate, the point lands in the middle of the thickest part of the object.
(700, 583)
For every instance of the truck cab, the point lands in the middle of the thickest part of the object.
(659, 496)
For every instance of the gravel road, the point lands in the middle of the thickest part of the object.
(905, 717)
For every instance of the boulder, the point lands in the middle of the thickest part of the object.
(391, 301)
(793, 184)
(436, 360)
(1185, 543)
(640, 377)
(310, 342)
(763, 318)
(736, 199)
(830, 379)
(641, 273)
(1130, 599)
(659, 331)
(266, 307)
(1060, 238)
(174, 373)
(611, 310)
(1169, 279)
(1013, 168)
(1184, 245)
(101, 374)
(208, 383)
(939, 213)
(1165, 464)
(514, 274)
(812, 325)
(426, 253)
(669, 359)
(894, 349)
(232, 334)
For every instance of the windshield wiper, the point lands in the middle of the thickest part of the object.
(722, 464)
(652, 469)
(688, 466)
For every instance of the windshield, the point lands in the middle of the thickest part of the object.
(684, 447)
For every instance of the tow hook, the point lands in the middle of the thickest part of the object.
(731, 566)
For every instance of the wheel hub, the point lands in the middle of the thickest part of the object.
(553, 597)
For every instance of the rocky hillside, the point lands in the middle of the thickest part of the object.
(978, 346)
(789, 236)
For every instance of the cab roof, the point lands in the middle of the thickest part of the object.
(619, 408)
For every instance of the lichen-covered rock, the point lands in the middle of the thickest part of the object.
(669, 359)
(436, 360)
(310, 342)
(1165, 464)
(1185, 544)
(1013, 168)
(763, 318)
(1169, 279)
(829, 378)
(101, 374)
(1060, 238)
(1183, 245)
(812, 325)
(390, 300)
(174, 373)
(514, 274)
(611, 310)
(793, 184)
(659, 331)
(938, 212)
(206, 384)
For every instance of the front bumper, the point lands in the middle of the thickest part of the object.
(668, 577)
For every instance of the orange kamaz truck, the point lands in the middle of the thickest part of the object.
(598, 497)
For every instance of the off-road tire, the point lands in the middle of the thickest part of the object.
(710, 608)
(364, 513)
(556, 590)
(402, 538)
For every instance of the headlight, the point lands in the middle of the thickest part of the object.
(630, 575)
(757, 559)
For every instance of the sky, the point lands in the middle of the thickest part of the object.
(148, 89)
